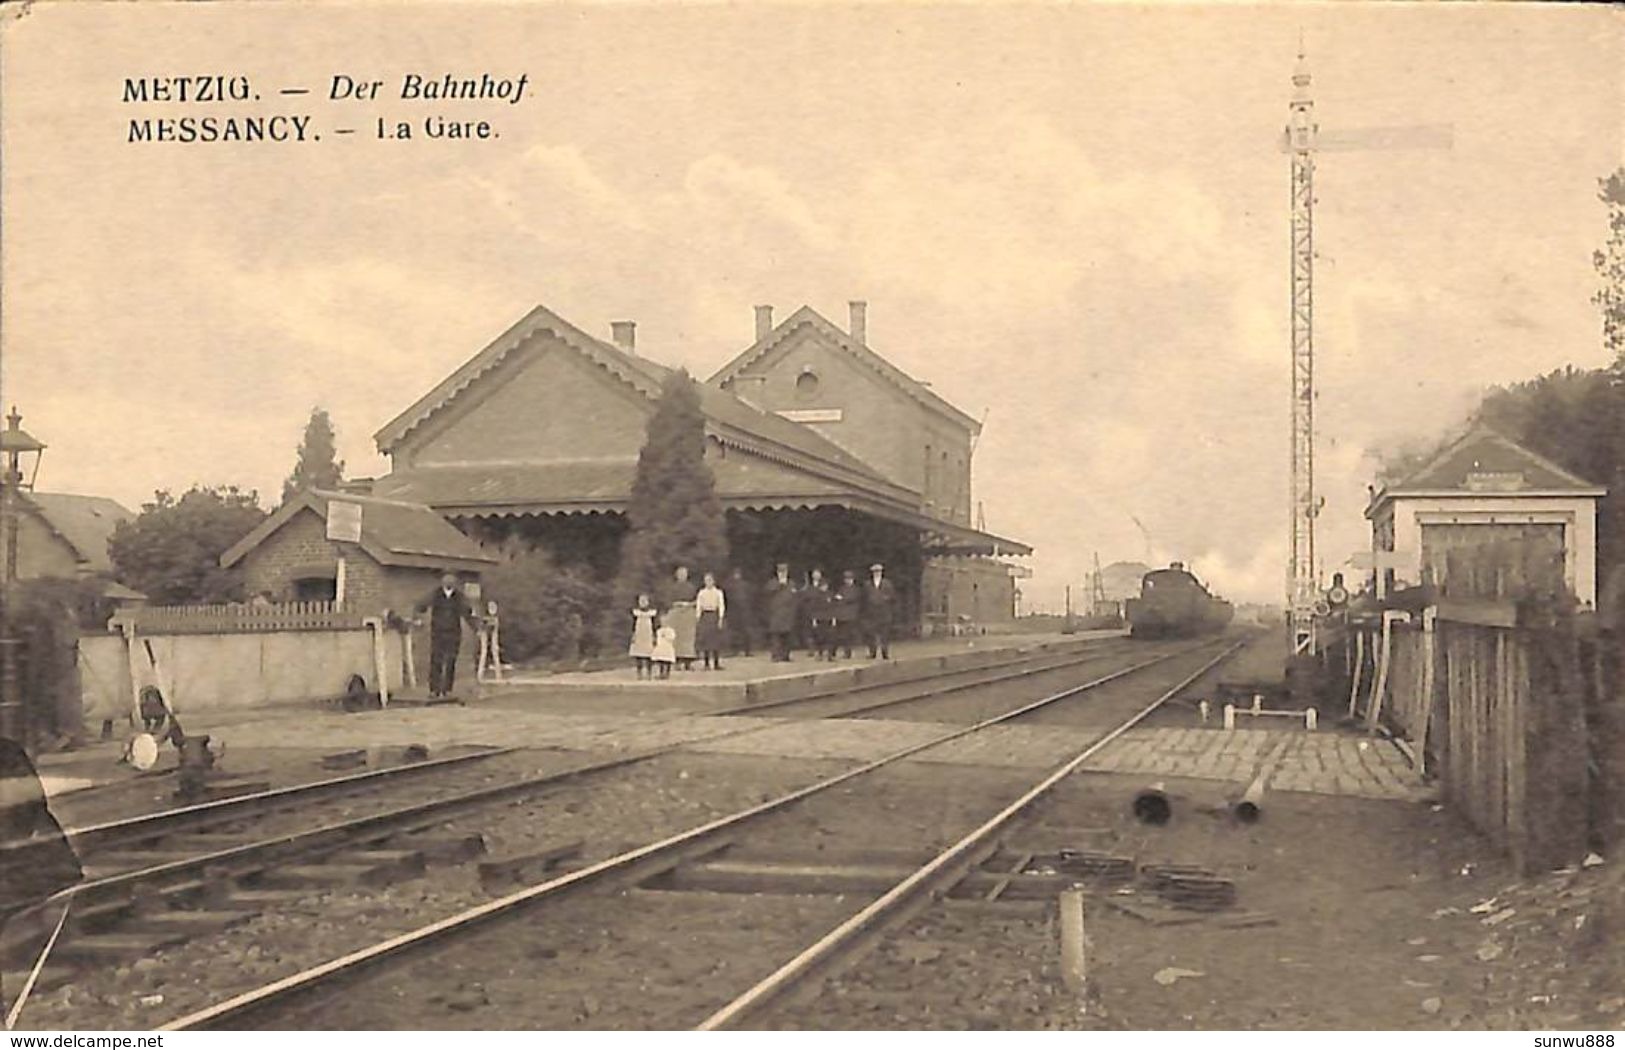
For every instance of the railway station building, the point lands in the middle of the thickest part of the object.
(824, 455)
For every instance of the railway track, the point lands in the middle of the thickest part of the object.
(103, 845)
(156, 881)
(828, 801)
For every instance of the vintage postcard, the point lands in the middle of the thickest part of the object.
(808, 516)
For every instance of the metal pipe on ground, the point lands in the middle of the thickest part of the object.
(1250, 806)
(1151, 805)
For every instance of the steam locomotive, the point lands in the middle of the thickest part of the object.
(1174, 604)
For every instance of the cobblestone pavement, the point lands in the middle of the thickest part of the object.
(1325, 762)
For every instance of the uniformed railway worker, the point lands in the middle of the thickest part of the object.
(448, 609)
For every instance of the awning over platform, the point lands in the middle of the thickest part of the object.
(597, 486)
(604, 486)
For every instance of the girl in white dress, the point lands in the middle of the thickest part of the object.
(643, 636)
(665, 651)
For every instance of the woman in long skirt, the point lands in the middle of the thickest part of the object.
(708, 634)
(681, 617)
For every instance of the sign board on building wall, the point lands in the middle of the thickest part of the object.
(1369, 560)
(812, 415)
(1496, 481)
(343, 521)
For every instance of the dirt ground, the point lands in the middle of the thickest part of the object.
(608, 812)
(1373, 915)
(1361, 915)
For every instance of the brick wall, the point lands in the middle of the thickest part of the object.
(979, 588)
(300, 548)
(551, 404)
(880, 424)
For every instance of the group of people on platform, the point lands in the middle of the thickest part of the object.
(684, 622)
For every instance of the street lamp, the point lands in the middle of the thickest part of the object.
(15, 443)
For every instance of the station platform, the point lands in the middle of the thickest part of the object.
(744, 680)
(592, 711)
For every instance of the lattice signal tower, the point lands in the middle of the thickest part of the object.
(1303, 141)
(1302, 585)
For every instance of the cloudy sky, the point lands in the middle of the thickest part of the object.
(1072, 218)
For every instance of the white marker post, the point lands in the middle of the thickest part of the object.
(1074, 954)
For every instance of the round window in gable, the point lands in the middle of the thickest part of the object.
(807, 384)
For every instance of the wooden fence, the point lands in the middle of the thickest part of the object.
(239, 618)
(1489, 697)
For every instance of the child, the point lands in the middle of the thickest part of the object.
(665, 651)
(643, 636)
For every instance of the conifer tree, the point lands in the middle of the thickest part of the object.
(318, 466)
(674, 514)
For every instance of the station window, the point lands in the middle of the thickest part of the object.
(807, 383)
(315, 589)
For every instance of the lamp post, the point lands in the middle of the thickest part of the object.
(15, 442)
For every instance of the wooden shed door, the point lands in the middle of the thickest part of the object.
(1520, 555)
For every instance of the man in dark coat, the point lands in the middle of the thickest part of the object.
(36, 859)
(744, 628)
(783, 602)
(447, 609)
(879, 609)
(818, 606)
(847, 603)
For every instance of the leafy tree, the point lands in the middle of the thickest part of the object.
(171, 550)
(318, 466)
(547, 611)
(48, 613)
(1610, 263)
(674, 515)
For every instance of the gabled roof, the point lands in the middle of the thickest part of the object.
(84, 523)
(728, 418)
(809, 317)
(1486, 463)
(643, 375)
(393, 532)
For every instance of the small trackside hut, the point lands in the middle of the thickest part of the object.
(1484, 490)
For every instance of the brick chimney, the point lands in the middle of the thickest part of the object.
(625, 334)
(858, 328)
(764, 322)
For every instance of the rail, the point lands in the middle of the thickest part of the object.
(945, 867)
(247, 857)
(628, 865)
